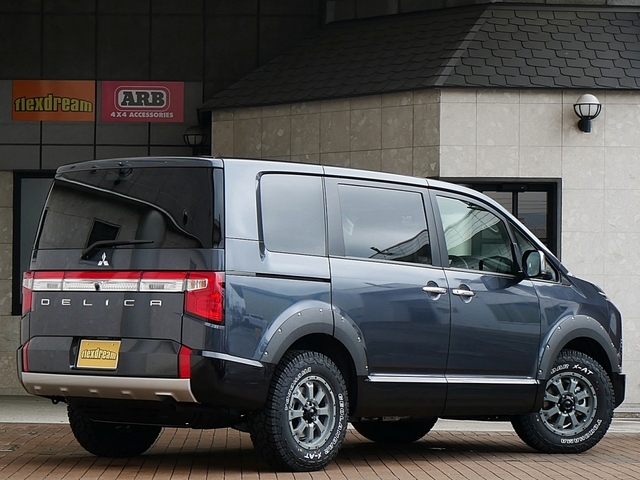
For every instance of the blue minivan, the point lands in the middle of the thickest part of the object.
(289, 300)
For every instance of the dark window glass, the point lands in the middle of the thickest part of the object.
(384, 224)
(30, 194)
(102, 231)
(524, 243)
(534, 204)
(293, 214)
(476, 239)
(532, 212)
(173, 207)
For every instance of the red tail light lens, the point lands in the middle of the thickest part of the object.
(25, 357)
(27, 290)
(204, 295)
(184, 362)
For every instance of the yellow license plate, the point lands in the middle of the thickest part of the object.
(99, 354)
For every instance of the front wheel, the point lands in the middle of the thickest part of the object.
(111, 439)
(304, 422)
(394, 432)
(577, 408)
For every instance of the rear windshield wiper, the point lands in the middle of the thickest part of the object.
(86, 253)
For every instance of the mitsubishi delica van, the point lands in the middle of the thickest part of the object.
(289, 300)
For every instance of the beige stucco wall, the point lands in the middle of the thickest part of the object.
(462, 133)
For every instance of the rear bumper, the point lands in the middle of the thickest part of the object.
(619, 381)
(124, 388)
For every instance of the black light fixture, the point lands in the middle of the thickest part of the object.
(587, 107)
(194, 137)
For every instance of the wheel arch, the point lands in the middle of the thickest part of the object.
(580, 333)
(314, 327)
(338, 353)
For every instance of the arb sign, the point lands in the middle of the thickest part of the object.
(142, 102)
(54, 100)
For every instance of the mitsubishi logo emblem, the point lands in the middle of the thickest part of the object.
(104, 262)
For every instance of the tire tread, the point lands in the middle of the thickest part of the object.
(267, 434)
(531, 431)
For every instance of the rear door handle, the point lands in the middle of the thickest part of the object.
(434, 290)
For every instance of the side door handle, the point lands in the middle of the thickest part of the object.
(463, 293)
(434, 289)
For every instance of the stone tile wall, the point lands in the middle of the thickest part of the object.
(393, 133)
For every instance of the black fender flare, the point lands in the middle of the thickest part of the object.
(570, 328)
(307, 318)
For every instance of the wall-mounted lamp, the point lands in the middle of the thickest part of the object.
(194, 137)
(587, 107)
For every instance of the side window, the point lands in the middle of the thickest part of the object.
(384, 224)
(476, 239)
(523, 242)
(292, 208)
(525, 245)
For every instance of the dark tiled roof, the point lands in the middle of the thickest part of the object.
(488, 46)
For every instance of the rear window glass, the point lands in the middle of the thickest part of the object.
(293, 214)
(171, 207)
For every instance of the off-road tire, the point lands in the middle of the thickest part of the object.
(111, 439)
(305, 419)
(577, 410)
(394, 432)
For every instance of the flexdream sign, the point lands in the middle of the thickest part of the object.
(54, 100)
(142, 102)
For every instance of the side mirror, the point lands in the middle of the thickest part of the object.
(535, 264)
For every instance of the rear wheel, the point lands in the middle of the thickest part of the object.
(304, 422)
(394, 432)
(111, 439)
(577, 408)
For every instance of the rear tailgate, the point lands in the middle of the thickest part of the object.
(124, 249)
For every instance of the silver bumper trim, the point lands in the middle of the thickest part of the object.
(451, 379)
(231, 358)
(131, 388)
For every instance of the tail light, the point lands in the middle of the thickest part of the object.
(203, 291)
(204, 296)
(184, 362)
(27, 290)
(25, 357)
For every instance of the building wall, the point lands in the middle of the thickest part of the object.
(392, 133)
(10, 330)
(468, 133)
